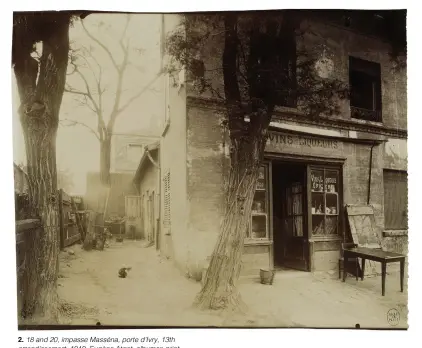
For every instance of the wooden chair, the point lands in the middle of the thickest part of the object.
(341, 265)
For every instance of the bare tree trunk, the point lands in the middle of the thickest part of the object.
(105, 159)
(219, 290)
(39, 115)
(41, 157)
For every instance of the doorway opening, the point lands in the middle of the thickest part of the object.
(290, 216)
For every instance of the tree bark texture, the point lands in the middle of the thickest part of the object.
(41, 89)
(248, 139)
(105, 159)
(220, 290)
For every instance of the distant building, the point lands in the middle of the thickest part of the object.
(127, 149)
(145, 206)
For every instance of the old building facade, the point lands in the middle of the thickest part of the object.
(313, 168)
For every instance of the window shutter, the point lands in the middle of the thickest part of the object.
(395, 200)
(167, 201)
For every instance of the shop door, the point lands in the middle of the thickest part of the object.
(295, 231)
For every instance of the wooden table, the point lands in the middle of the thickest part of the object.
(377, 255)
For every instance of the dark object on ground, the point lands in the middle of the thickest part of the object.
(98, 323)
(119, 238)
(88, 243)
(357, 326)
(123, 271)
(267, 276)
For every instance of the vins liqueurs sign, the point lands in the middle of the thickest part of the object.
(299, 140)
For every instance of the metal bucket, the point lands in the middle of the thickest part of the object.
(267, 276)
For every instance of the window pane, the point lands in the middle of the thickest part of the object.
(298, 226)
(258, 205)
(297, 204)
(331, 224)
(331, 204)
(318, 224)
(362, 90)
(260, 185)
(331, 181)
(317, 179)
(259, 226)
(318, 206)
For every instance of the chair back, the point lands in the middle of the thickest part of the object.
(347, 246)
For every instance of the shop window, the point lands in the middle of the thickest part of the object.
(325, 201)
(365, 90)
(258, 227)
(395, 200)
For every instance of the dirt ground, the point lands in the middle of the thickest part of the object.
(155, 293)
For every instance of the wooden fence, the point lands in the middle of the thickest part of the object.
(72, 220)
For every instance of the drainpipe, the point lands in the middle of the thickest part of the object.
(370, 173)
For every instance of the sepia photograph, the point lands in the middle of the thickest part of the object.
(229, 169)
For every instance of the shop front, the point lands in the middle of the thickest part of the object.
(297, 219)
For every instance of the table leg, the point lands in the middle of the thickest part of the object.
(357, 268)
(363, 269)
(384, 271)
(401, 274)
(344, 267)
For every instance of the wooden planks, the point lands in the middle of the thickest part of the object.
(362, 225)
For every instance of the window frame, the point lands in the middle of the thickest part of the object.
(339, 208)
(266, 214)
(371, 71)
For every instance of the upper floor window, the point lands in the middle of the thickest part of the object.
(365, 90)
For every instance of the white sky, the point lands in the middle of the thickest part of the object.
(77, 148)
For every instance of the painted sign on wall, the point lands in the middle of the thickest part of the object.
(300, 140)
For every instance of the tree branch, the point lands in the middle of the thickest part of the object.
(136, 96)
(125, 49)
(104, 47)
(120, 76)
(74, 123)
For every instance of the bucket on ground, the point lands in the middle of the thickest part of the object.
(267, 276)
